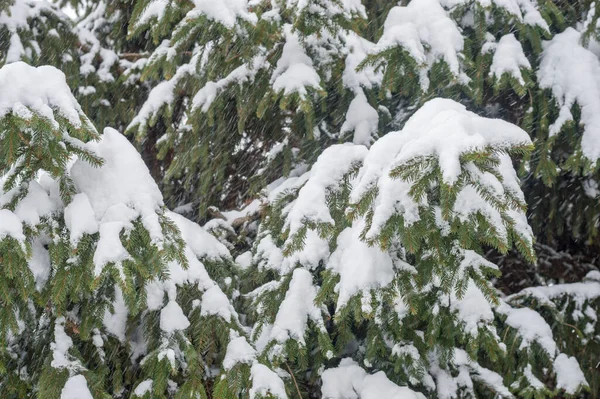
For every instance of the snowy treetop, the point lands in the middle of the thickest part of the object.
(27, 90)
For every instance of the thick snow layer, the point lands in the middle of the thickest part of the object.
(294, 71)
(80, 218)
(36, 204)
(119, 191)
(360, 267)
(473, 309)
(530, 326)
(143, 388)
(350, 381)
(76, 388)
(124, 179)
(569, 376)
(296, 309)
(238, 351)
(172, 318)
(358, 49)
(10, 226)
(362, 119)
(265, 381)
(202, 243)
(215, 302)
(444, 129)
(115, 320)
(427, 33)
(509, 58)
(60, 348)
(525, 11)
(573, 82)
(226, 12)
(579, 292)
(42, 90)
(326, 174)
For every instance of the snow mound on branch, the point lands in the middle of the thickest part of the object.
(123, 179)
(43, 90)
(361, 267)
(172, 318)
(265, 382)
(225, 12)
(569, 376)
(442, 129)
(202, 243)
(425, 30)
(531, 327)
(350, 381)
(525, 11)
(238, 351)
(119, 191)
(358, 49)
(296, 309)
(573, 83)
(362, 119)
(76, 388)
(80, 218)
(325, 175)
(294, 71)
(509, 58)
(446, 129)
(10, 226)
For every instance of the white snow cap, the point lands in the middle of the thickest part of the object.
(76, 388)
(226, 12)
(172, 318)
(295, 71)
(119, 191)
(350, 381)
(80, 218)
(441, 128)
(326, 174)
(361, 267)
(426, 31)
(238, 351)
(569, 376)
(296, 309)
(573, 82)
(43, 90)
(509, 58)
(265, 381)
(10, 226)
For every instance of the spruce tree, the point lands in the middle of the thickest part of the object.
(250, 91)
(105, 292)
(374, 259)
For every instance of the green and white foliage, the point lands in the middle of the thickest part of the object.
(574, 310)
(376, 255)
(36, 32)
(110, 63)
(105, 292)
(510, 59)
(252, 88)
